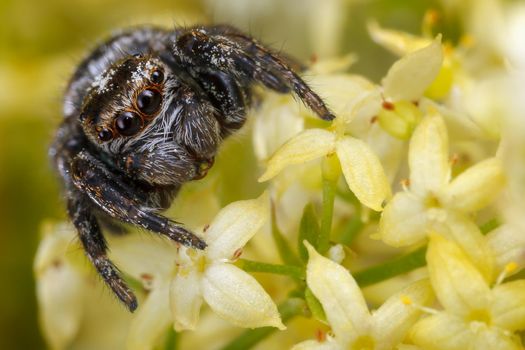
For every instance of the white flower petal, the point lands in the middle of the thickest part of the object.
(61, 287)
(467, 235)
(459, 286)
(363, 172)
(508, 305)
(403, 221)
(397, 42)
(390, 151)
(140, 255)
(409, 77)
(185, 299)
(276, 121)
(442, 332)
(343, 93)
(238, 298)
(329, 344)
(337, 291)
(151, 320)
(234, 225)
(428, 156)
(61, 294)
(507, 243)
(395, 317)
(477, 186)
(494, 338)
(306, 146)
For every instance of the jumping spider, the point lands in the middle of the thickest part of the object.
(145, 112)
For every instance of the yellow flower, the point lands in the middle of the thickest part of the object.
(361, 168)
(353, 326)
(208, 275)
(179, 279)
(475, 315)
(353, 97)
(468, 82)
(434, 203)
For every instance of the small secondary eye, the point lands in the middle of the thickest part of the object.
(148, 101)
(105, 135)
(128, 123)
(157, 76)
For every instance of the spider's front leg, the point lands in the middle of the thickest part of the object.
(122, 202)
(96, 249)
(230, 51)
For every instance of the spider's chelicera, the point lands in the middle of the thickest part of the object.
(145, 112)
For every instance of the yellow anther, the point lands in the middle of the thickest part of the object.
(508, 269)
(430, 20)
(511, 267)
(431, 17)
(405, 183)
(405, 299)
(448, 49)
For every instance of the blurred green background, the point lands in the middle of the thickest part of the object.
(40, 43)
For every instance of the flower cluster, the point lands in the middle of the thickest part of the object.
(397, 226)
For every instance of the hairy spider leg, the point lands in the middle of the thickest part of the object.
(112, 196)
(232, 54)
(96, 249)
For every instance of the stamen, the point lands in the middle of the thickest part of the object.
(237, 254)
(320, 335)
(406, 300)
(508, 269)
(405, 183)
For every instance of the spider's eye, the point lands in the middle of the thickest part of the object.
(148, 101)
(105, 135)
(128, 123)
(157, 77)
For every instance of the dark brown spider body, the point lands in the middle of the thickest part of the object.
(145, 112)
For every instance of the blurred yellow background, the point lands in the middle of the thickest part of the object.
(40, 43)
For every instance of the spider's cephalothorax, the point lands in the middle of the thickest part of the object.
(145, 112)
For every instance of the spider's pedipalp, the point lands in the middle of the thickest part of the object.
(120, 202)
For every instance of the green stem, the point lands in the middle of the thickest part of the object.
(323, 243)
(489, 226)
(286, 253)
(369, 276)
(288, 309)
(351, 230)
(171, 340)
(392, 268)
(287, 270)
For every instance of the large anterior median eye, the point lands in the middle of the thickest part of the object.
(128, 123)
(148, 101)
